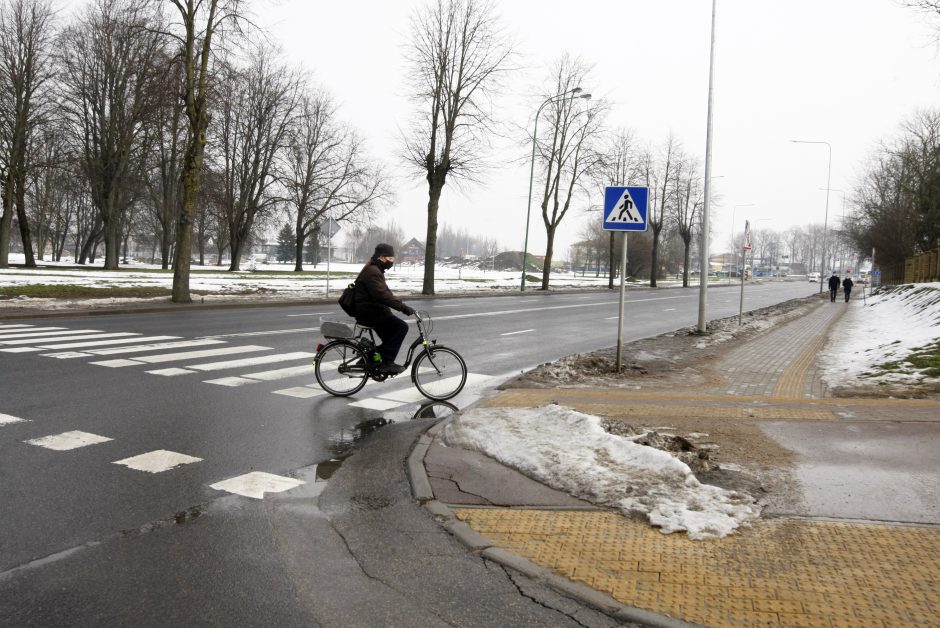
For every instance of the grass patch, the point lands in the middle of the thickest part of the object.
(67, 270)
(68, 291)
(477, 280)
(923, 361)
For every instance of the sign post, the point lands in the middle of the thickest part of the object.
(625, 209)
(744, 249)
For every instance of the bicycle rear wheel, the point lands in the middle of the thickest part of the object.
(439, 373)
(341, 368)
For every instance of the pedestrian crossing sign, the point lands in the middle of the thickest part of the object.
(625, 208)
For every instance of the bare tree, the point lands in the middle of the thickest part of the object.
(108, 72)
(26, 32)
(202, 25)
(458, 54)
(569, 154)
(659, 171)
(258, 105)
(688, 199)
(326, 172)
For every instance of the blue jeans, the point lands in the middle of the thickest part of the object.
(392, 331)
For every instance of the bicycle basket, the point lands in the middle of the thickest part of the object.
(332, 329)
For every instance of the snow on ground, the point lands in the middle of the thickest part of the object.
(603, 468)
(892, 324)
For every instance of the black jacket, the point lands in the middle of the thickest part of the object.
(833, 283)
(847, 283)
(373, 298)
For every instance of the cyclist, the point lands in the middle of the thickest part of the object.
(374, 304)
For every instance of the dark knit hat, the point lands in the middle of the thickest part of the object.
(384, 250)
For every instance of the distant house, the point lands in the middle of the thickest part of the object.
(411, 251)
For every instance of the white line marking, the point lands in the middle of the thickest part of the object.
(554, 307)
(156, 347)
(231, 381)
(405, 395)
(21, 350)
(293, 371)
(672, 309)
(256, 484)
(6, 327)
(35, 331)
(266, 359)
(157, 461)
(311, 314)
(6, 419)
(103, 343)
(183, 355)
(64, 355)
(170, 372)
(513, 333)
(610, 318)
(436, 306)
(377, 404)
(300, 392)
(68, 440)
(271, 332)
(34, 341)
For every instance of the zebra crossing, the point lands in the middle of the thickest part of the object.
(194, 356)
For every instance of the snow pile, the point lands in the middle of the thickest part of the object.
(570, 451)
(894, 323)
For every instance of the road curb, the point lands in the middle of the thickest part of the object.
(479, 544)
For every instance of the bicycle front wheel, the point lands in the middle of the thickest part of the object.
(439, 373)
(341, 368)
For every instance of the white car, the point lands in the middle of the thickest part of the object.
(814, 277)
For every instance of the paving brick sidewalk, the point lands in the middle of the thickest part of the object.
(783, 571)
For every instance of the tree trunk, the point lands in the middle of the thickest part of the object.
(610, 263)
(430, 247)
(299, 245)
(549, 253)
(6, 222)
(112, 235)
(654, 258)
(685, 262)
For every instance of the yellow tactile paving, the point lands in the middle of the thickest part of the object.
(777, 573)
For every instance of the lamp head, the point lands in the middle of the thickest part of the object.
(576, 90)
(585, 96)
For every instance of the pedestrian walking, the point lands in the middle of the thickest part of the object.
(847, 287)
(833, 287)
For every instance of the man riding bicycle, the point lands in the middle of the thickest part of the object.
(374, 304)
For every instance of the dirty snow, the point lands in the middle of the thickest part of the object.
(888, 327)
(602, 468)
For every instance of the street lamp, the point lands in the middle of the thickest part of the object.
(822, 262)
(535, 127)
(841, 226)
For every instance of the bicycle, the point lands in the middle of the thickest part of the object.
(348, 361)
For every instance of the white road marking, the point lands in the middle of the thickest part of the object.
(271, 332)
(6, 419)
(231, 381)
(376, 403)
(156, 347)
(405, 395)
(554, 307)
(300, 392)
(610, 318)
(34, 331)
(68, 440)
(157, 461)
(513, 333)
(183, 355)
(672, 309)
(266, 359)
(311, 314)
(170, 372)
(436, 306)
(33, 341)
(21, 350)
(6, 327)
(293, 371)
(256, 484)
(104, 343)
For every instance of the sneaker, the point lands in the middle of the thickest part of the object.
(390, 368)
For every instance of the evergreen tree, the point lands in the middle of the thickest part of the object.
(285, 244)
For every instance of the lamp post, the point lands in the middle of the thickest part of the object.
(822, 262)
(841, 226)
(535, 127)
(703, 286)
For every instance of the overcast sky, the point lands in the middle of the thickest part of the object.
(842, 71)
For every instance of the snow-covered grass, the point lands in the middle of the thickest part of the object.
(893, 339)
(571, 451)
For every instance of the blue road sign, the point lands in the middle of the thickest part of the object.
(625, 208)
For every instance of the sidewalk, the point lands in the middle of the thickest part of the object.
(786, 570)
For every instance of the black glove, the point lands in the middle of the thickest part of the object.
(407, 311)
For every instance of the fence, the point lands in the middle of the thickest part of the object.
(923, 268)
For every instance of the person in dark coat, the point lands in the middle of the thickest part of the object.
(374, 304)
(847, 287)
(833, 287)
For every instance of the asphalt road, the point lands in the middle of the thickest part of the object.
(86, 540)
